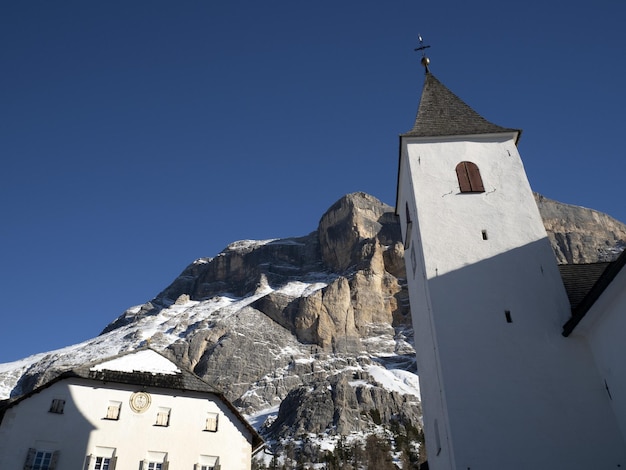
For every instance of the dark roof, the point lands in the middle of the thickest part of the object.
(585, 283)
(183, 380)
(579, 279)
(442, 113)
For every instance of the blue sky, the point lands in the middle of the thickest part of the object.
(138, 136)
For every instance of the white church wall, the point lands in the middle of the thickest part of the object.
(435, 420)
(497, 305)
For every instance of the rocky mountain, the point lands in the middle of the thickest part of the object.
(580, 235)
(311, 336)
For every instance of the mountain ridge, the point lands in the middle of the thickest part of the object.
(311, 333)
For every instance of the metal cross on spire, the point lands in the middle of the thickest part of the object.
(425, 60)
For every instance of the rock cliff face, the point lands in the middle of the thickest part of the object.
(315, 329)
(580, 235)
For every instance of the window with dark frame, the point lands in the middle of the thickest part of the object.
(100, 462)
(103, 463)
(469, 178)
(41, 459)
(57, 406)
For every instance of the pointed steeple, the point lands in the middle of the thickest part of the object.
(442, 113)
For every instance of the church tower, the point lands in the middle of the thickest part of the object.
(501, 387)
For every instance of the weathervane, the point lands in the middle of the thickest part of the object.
(425, 60)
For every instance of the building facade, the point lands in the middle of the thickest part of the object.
(136, 411)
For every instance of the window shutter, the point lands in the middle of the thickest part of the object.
(165, 465)
(143, 465)
(469, 178)
(476, 181)
(30, 459)
(196, 466)
(113, 412)
(212, 422)
(163, 418)
(54, 459)
(88, 462)
(463, 177)
(113, 463)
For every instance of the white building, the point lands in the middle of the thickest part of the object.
(511, 376)
(135, 411)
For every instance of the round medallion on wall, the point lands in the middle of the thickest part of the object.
(140, 402)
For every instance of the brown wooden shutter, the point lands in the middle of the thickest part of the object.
(30, 459)
(463, 177)
(476, 181)
(469, 178)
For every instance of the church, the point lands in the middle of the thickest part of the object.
(520, 360)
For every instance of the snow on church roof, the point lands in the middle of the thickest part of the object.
(145, 360)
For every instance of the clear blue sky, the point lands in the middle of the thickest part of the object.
(137, 136)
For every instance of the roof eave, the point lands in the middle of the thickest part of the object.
(585, 305)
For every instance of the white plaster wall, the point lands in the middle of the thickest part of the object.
(81, 428)
(512, 391)
(604, 326)
(434, 411)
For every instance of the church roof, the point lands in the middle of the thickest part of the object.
(442, 113)
(585, 283)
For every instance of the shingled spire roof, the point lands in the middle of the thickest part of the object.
(442, 113)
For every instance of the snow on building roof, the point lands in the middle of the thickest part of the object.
(146, 360)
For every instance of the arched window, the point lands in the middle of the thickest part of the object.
(469, 178)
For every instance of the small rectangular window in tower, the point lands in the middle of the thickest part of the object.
(484, 233)
(409, 228)
(507, 315)
(57, 406)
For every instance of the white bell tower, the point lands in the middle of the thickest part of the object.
(501, 387)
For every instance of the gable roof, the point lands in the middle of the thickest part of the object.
(143, 367)
(584, 284)
(442, 113)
